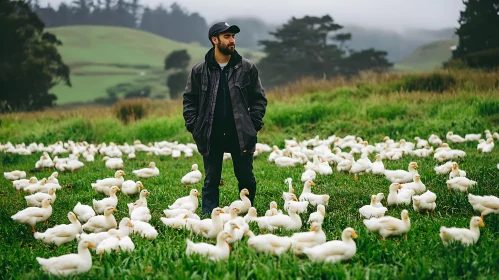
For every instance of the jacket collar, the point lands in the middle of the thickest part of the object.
(210, 59)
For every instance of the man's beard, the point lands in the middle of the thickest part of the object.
(226, 50)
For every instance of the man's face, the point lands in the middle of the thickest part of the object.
(226, 43)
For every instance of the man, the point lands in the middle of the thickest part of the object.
(224, 104)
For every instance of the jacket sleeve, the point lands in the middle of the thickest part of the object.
(191, 101)
(258, 101)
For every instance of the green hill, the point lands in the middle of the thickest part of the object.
(102, 56)
(427, 57)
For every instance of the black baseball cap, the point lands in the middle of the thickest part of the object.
(222, 27)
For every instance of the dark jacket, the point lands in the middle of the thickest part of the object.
(247, 99)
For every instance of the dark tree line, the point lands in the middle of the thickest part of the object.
(315, 47)
(174, 23)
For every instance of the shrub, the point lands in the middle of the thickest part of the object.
(386, 111)
(131, 109)
(433, 82)
(129, 90)
(488, 59)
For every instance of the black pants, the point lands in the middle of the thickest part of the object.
(243, 169)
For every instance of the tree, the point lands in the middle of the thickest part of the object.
(177, 60)
(479, 27)
(478, 34)
(176, 83)
(307, 47)
(30, 64)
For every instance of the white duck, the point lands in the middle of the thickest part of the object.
(292, 221)
(140, 213)
(109, 244)
(402, 176)
(398, 195)
(379, 198)
(14, 175)
(463, 235)
(142, 201)
(101, 223)
(333, 251)
(251, 216)
(34, 215)
(192, 177)
(218, 252)
(360, 166)
(61, 234)
(301, 206)
(389, 226)
(417, 185)
(456, 172)
(472, 137)
(318, 216)
(460, 183)
(113, 163)
(372, 210)
(484, 204)
(244, 204)
(425, 202)
(311, 238)
(130, 187)
(286, 161)
(103, 186)
(23, 183)
(454, 138)
(288, 181)
(313, 199)
(71, 263)
(308, 175)
(268, 243)
(324, 168)
(145, 230)
(208, 228)
(273, 209)
(377, 167)
(189, 202)
(37, 198)
(178, 221)
(84, 212)
(235, 231)
(151, 171)
(486, 146)
(225, 217)
(344, 165)
(111, 201)
(170, 213)
(444, 168)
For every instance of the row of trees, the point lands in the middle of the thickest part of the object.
(170, 23)
(315, 47)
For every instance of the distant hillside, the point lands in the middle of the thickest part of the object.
(427, 57)
(102, 56)
(397, 44)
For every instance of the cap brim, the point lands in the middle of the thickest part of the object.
(233, 29)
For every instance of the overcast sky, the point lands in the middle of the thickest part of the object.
(386, 14)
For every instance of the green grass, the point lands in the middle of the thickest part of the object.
(354, 110)
(95, 52)
(427, 57)
(422, 256)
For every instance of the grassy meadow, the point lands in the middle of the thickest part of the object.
(103, 56)
(371, 106)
